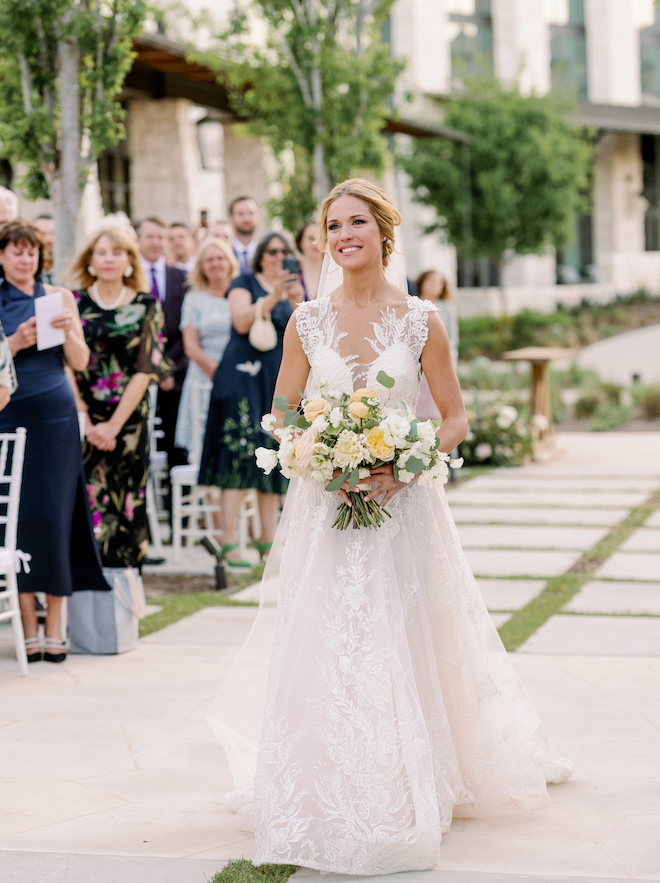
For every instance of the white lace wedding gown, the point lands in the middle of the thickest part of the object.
(391, 702)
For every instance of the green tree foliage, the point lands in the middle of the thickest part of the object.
(529, 173)
(62, 63)
(318, 88)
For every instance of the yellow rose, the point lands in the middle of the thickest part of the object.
(358, 410)
(377, 444)
(366, 393)
(315, 408)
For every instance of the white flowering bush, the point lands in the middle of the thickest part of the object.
(497, 435)
(337, 438)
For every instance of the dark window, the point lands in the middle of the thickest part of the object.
(575, 261)
(568, 52)
(471, 30)
(115, 180)
(477, 273)
(5, 174)
(651, 191)
(649, 56)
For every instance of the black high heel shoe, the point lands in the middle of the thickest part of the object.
(33, 649)
(52, 644)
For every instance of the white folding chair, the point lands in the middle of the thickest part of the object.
(188, 509)
(11, 557)
(157, 474)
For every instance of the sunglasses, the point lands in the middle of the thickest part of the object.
(275, 251)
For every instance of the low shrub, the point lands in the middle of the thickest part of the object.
(650, 403)
(497, 435)
(609, 416)
(587, 405)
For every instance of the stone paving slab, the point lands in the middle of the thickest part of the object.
(643, 540)
(653, 520)
(530, 537)
(511, 515)
(464, 496)
(305, 875)
(596, 635)
(631, 565)
(499, 618)
(602, 596)
(512, 562)
(502, 479)
(48, 867)
(509, 594)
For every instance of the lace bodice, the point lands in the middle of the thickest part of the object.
(342, 357)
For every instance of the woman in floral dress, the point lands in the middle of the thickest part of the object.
(124, 330)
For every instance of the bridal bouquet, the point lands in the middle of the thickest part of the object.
(351, 434)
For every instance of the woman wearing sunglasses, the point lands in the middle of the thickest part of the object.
(243, 387)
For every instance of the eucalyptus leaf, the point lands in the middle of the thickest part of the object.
(395, 470)
(385, 380)
(413, 428)
(353, 479)
(302, 422)
(415, 465)
(291, 418)
(336, 483)
(281, 403)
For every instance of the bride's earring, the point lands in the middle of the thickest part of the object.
(128, 272)
(91, 271)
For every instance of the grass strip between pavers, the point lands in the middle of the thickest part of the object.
(176, 607)
(243, 871)
(560, 589)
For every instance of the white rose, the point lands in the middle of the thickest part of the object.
(506, 417)
(395, 429)
(349, 450)
(268, 422)
(483, 451)
(426, 435)
(266, 459)
(335, 417)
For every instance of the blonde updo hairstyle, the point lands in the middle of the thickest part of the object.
(78, 275)
(379, 204)
(196, 278)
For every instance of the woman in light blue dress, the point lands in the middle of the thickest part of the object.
(206, 328)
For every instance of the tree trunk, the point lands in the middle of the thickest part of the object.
(66, 189)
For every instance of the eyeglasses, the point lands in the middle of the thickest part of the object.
(275, 251)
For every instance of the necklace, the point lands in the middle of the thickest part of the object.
(96, 297)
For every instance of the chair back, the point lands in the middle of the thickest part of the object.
(200, 395)
(153, 421)
(12, 452)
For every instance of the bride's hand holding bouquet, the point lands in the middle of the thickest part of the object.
(354, 445)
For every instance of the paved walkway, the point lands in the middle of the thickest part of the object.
(108, 771)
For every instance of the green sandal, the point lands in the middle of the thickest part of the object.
(239, 565)
(262, 548)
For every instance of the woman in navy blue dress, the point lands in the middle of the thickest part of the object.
(243, 387)
(54, 524)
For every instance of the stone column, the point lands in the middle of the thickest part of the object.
(420, 35)
(521, 45)
(613, 73)
(249, 168)
(618, 206)
(163, 163)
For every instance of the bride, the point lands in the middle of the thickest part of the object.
(390, 704)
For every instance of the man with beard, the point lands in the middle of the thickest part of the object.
(244, 216)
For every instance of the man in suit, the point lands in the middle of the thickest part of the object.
(168, 284)
(244, 217)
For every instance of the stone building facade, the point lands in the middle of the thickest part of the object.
(185, 152)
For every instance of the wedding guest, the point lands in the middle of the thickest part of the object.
(206, 327)
(181, 246)
(54, 524)
(222, 230)
(7, 371)
(244, 216)
(433, 286)
(8, 206)
(168, 285)
(123, 327)
(243, 388)
(311, 258)
(46, 226)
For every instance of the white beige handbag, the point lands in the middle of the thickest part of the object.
(262, 335)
